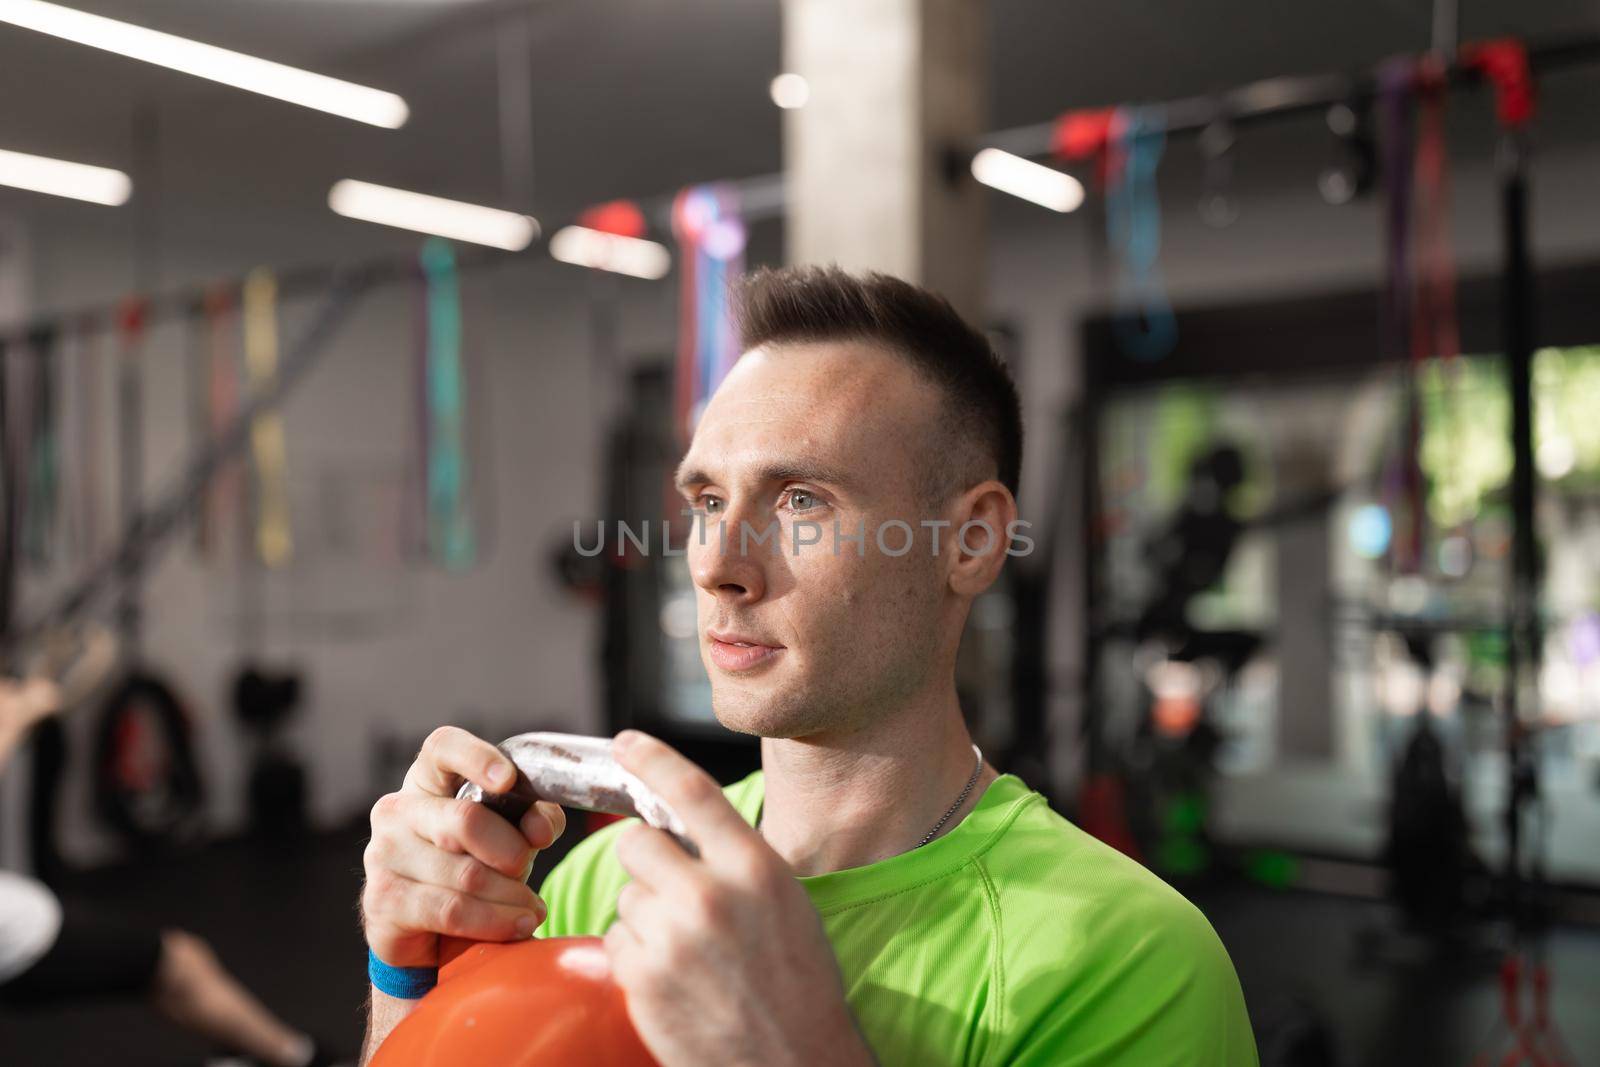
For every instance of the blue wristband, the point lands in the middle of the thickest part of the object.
(402, 983)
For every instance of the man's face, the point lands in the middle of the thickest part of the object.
(801, 639)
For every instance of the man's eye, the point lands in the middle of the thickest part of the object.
(708, 504)
(802, 500)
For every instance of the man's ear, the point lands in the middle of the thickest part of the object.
(983, 521)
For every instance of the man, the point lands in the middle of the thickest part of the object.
(877, 891)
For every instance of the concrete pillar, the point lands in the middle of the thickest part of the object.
(895, 85)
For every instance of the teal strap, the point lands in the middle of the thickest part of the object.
(451, 538)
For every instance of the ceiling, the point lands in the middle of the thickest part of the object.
(632, 97)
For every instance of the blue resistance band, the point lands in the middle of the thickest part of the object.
(450, 530)
(1144, 323)
(402, 983)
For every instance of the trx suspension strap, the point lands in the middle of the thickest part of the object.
(450, 536)
(274, 542)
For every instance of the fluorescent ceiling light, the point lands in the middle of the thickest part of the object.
(432, 214)
(790, 91)
(584, 247)
(208, 61)
(98, 185)
(1029, 180)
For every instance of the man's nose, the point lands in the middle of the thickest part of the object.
(732, 562)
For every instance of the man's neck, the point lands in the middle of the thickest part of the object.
(840, 802)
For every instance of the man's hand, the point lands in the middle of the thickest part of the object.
(441, 866)
(723, 959)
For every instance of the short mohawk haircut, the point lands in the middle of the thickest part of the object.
(982, 437)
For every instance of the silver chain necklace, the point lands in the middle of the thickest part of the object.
(966, 790)
(977, 769)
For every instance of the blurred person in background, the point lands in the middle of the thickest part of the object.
(52, 954)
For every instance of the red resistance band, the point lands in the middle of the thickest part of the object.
(1504, 61)
(132, 315)
(222, 401)
(1083, 134)
(621, 217)
(1433, 317)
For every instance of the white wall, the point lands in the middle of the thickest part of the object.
(500, 645)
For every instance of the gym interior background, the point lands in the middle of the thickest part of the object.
(1302, 313)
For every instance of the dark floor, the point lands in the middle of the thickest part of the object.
(285, 922)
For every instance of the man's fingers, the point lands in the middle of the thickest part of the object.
(620, 943)
(631, 901)
(451, 756)
(417, 906)
(712, 822)
(423, 862)
(543, 823)
(465, 827)
(657, 862)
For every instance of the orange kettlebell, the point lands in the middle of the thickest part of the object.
(523, 1004)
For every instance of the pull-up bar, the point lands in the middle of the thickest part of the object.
(1290, 97)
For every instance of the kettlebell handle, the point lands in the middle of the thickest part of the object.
(576, 772)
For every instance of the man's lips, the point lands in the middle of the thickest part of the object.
(739, 652)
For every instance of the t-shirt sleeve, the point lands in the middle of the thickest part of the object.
(580, 894)
(1158, 990)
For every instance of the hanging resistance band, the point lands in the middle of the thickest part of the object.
(451, 540)
(43, 452)
(1504, 61)
(90, 446)
(1435, 334)
(132, 317)
(19, 441)
(1084, 134)
(711, 233)
(1434, 331)
(1403, 486)
(1143, 320)
(274, 542)
(8, 497)
(221, 503)
(197, 388)
(1394, 99)
(72, 459)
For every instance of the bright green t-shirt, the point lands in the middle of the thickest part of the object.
(1015, 938)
